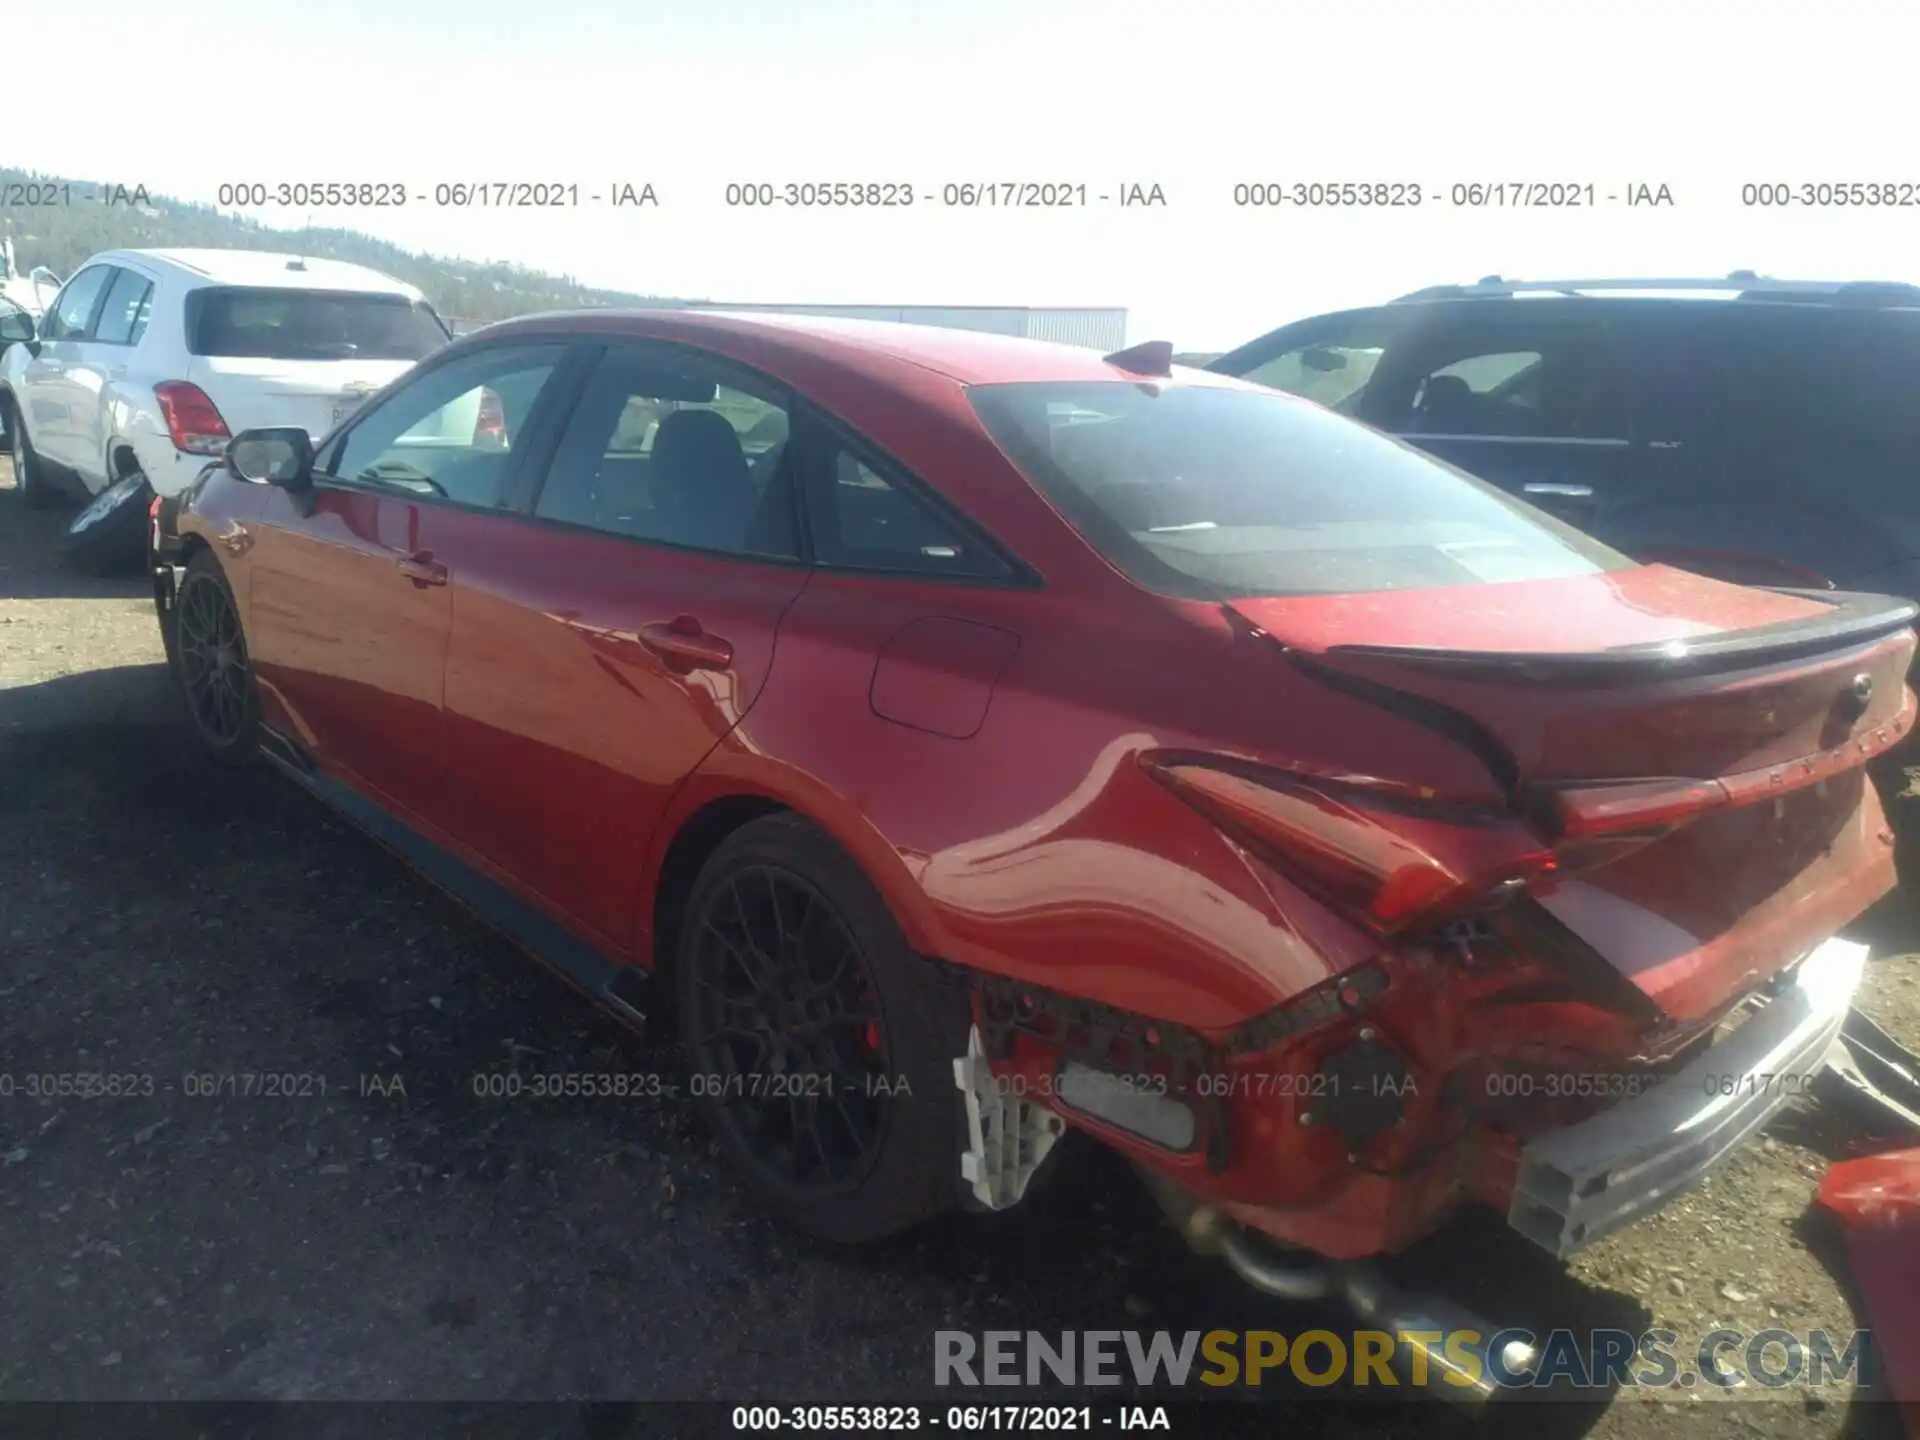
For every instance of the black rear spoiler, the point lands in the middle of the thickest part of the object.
(1852, 619)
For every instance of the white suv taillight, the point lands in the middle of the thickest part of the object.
(193, 420)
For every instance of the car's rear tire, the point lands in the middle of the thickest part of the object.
(109, 534)
(819, 1048)
(211, 665)
(30, 475)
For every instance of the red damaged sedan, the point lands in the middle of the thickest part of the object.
(964, 738)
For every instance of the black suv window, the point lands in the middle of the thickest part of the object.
(1554, 380)
(1447, 371)
(1769, 380)
(1328, 373)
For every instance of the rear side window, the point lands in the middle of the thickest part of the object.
(863, 518)
(1205, 492)
(123, 319)
(279, 324)
(1770, 382)
(660, 448)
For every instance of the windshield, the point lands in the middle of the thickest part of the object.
(1206, 492)
(278, 324)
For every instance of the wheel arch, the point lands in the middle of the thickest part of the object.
(712, 806)
(122, 459)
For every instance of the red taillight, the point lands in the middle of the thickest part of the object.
(1386, 867)
(490, 429)
(1635, 807)
(193, 420)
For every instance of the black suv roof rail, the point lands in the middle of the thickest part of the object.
(1743, 284)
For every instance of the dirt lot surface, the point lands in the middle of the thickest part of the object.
(165, 920)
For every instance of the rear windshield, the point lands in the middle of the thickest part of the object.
(276, 324)
(1205, 492)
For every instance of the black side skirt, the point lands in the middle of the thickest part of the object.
(622, 989)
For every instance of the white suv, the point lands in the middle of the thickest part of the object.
(149, 360)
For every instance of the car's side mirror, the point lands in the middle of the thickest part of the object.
(1322, 359)
(16, 326)
(279, 455)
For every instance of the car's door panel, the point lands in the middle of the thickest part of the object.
(99, 366)
(347, 646)
(349, 594)
(59, 407)
(583, 727)
(1777, 448)
(589, 673)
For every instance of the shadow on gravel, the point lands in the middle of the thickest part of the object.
(101, 701)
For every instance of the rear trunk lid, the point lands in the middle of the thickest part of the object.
(1609, 706)
(314, 394)
(289, 355)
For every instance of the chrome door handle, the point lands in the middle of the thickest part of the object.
(1564, 492)
(685, 644)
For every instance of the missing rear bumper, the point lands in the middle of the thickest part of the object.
(1581, 1182)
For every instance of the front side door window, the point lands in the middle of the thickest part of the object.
(72, 313)
(1537, 404)
(1330, 372)
(451, 432)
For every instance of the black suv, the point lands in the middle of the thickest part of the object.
(1762, 431)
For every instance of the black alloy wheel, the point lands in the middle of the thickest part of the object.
(788, 1034)
(215, 676)
(819, 1047)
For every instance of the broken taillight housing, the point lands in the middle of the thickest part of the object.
(1633, 807)
(1383, 860)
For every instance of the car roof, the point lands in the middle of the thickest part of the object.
(1509, 301)
(1743, 285)
(970, 357)
(264, 269)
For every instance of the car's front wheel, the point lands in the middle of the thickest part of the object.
(109, 534)
(819, 1047)
(30, 476)
(211, 664)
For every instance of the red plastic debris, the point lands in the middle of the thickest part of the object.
(1876, 1199)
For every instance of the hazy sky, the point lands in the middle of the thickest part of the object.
(1194, 95)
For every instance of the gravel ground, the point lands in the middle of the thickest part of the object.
(161, 919)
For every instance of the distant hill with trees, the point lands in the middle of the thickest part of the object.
(61, 236)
